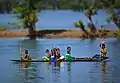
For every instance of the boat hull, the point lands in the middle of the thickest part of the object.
(76, 60)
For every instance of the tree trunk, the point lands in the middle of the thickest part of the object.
(31, 24)
(84, 30)
(92, 28)
(118, 25)
(90, 18)
(32, 30)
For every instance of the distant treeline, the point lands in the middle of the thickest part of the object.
(6, 6)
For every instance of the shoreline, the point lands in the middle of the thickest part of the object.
(61, 33)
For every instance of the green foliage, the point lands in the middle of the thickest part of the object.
(8, 5)
(89, 8)
(90, 12)
(79, 5)
(105, 4)
(114, 17)
(117, 34)
(79, 24)
(26, 11)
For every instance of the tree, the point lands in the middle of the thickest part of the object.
(26, 11)
(81, 25)
(112, 8)
(114, 17)
(89, 9)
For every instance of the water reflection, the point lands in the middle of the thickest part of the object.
(30, 44)
(103, 67)
(69, 72)
(23, 69)
(55, 66)
(103, 72)
(56, 71)
(29, 72)
(24, 65)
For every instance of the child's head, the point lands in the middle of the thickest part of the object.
(58, 51)
(103, 46)
(53, 51)
(47, 51)
(102, 42)
(26, 51)
(69, 48)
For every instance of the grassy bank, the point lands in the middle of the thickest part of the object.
(62, 33)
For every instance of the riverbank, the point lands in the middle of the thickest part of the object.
(61, 33)
(13, 33)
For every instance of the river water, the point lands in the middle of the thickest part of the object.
(76, 72)
(62, 19)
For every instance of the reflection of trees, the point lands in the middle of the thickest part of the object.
(69, 71)
(23, 68)
(103, 70)
(29, 72)
(114, 51)
(29, 44)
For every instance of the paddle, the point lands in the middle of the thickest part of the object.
(21, 51)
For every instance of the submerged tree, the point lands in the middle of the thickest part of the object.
(89, 9)
(26, 11)
(115, 18)
(112, 8)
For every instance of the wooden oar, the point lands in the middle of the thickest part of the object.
(20, 51)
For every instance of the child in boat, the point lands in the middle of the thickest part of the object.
(58, 56)
(26, 55)
(68, 54)
(58, 53)
(68, 51)
(53, 54)
(48, 55)
(103, 51)
(102, 44)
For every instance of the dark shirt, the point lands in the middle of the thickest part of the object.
(58, 56)
(68, 52)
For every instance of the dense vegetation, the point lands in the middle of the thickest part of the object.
(7, 5)
(27, 10)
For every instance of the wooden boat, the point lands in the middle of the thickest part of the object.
(76, 60)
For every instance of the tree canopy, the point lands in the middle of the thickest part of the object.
(7, 5)
(28, 8)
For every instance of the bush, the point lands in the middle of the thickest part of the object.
(79, 24)
(117, 34)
